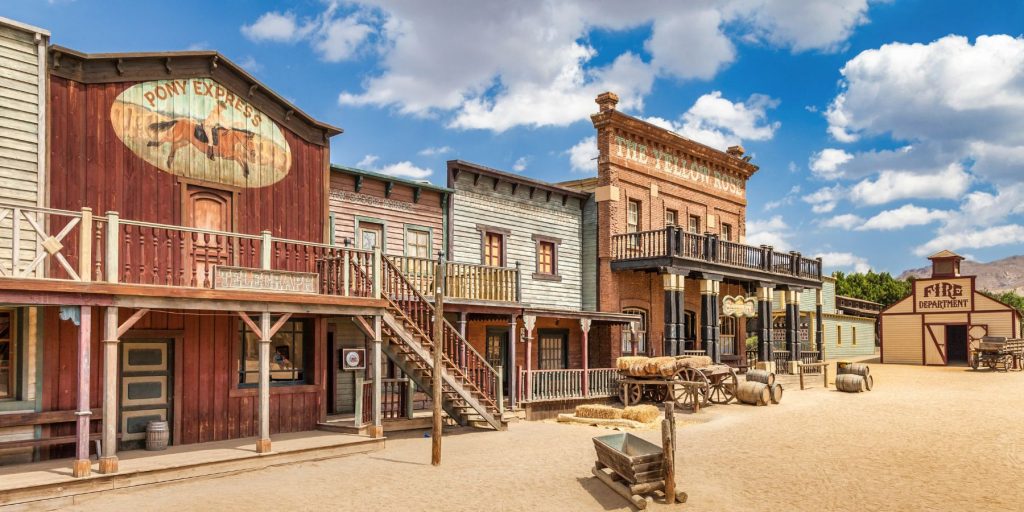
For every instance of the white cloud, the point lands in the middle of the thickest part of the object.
(720, 123)
(825, 199)
(773, 232)
(906, 215)
(435, 151)
(893, 185)
(583, 155)
(845, 221)
(1009, 234)
(405, 169)
(494, 65)
(368, 161)
(843, 260)
(786, 200)
(520, 164)
(250, 64)
(825, 163)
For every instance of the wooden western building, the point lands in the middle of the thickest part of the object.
(943, 318)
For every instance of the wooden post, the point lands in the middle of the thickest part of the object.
(85, 246)
(265, 249)
(108, 459)
(377, 276)
(585, 327)
(668, 446)
(513, 380)
(824, 371)
(263, 442)
(435, 453)
(500, 385)
(82, 466)
(357, 421)
(112, 254)
(410, 397)
(529, 321)
(378, 374)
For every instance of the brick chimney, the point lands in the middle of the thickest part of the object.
(607, 101)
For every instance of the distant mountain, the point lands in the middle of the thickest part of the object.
(997, 276)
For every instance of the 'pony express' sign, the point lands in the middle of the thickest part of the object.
(671, 164)
(241, 278)
(197, 128)
(944, 295)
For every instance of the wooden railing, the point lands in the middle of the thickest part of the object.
(364, 406)
(43, 243)
(396, 398)
(462, 280)
(537, 385)
(458, 356)
(675, 242)
(604, 381)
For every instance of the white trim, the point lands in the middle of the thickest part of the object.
(24, 26)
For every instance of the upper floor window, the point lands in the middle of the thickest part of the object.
(7, 356)
(417, 243)
(546, 258)
(671, 217)
(633, 216)
(727, 232)
(694, 224)
(494, 249)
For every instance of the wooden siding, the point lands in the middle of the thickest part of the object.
(397, 211)
(906, 305)
(90, 166)
(946, 318)
(865, 336)
(347, 335)
(589, 255)
(210, 405)
(901, 339)
(483, 204)
(983, 302)
(999, 323)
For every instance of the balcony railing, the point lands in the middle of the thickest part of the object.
(678, 243)
(43, 243)
(537, 385)
(462, 280)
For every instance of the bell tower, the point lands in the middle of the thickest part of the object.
(945, 264)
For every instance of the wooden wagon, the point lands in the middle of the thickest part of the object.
(688, 387)
(998, 353)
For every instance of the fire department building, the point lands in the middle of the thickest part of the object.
(943, 318)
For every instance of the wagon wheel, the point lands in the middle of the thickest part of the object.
(723, 388)
(656, 394)
(634, 392)
(975, 361)
(682, 395)
(990, 362)
(1007, 362)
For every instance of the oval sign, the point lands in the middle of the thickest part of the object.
(198, 129)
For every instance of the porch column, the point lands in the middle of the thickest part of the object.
(108, 459)
(585, 328)
(819, 324)
(263, 442)
(378, 363)
(793, 324)
(765, 292)
(674, 286)
(529, 321)
(512, 371)
(82, 466)
(709, 288)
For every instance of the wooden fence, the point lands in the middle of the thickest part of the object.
(539, 385)
(462, 280)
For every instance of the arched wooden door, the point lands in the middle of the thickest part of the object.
(207, 209)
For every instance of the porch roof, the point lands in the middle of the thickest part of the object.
(597, 316)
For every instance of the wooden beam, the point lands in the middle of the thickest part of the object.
(278, 324)
(532, 190)
(359, 183)
(565, 199)
(363, 325)
(476, 178)
(416, 194)
(123, 328)
(497, 181)
(252, 325)
(515, 187)
(549, 196)
(455, 175)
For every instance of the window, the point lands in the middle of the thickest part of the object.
(727, 232)
(370, 235)
(839, 335)
(288, 354)
(853, 335)
(671, 217)
(551, 345)
(494, 249)
(641, 333)
(417, 243)
(633, 216)
(7, 356)
(694, 224)
(727, 336)
(546, 258)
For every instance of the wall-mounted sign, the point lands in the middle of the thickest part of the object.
(943, 295)
(739, 306)
(240, 278)
(353, 359)
(197, 128)
(668, 163)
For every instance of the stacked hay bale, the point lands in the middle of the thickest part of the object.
(665, 366)
(854, 378)
(768, 379)
(598, 411)
(638, 416)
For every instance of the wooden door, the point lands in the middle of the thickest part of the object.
(497, 352)
(956, 344)
(213, 210)
(146, 388)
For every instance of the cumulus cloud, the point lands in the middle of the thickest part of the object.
(368, 161)
(904, 216)
(273, 26)
(435, 151)
(520, 164)
(894, 185)
(826, 163)
(718, 122)
(825, 199)
(843, 260)
(845, 221)
(786, 200)
(773, 231)
(583, 155)
(403, 169)
(1009, 234)
(335, 37)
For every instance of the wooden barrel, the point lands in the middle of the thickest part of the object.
(776, 393)
(157, 435)
(754, 393)
(850, 383)
(854, 368)
(762, 376)
(869, 382)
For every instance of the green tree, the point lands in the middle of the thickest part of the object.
(882, 287)
(1010, 298)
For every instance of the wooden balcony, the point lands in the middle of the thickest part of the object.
(465, 281)
(44, 249)
(673, 246)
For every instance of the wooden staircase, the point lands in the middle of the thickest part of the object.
(469, 385)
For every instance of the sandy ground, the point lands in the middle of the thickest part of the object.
(924, 439)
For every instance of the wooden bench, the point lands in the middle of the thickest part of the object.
(30, 419)
(803, 367)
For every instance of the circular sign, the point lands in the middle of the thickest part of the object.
(198, 129)
(352, 359)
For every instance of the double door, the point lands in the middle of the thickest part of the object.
(146, 387)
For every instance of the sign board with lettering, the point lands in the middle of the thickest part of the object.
(689, 170)
(739, 306)
(951, 295)
(241, 278)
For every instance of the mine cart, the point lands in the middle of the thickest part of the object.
(688, 381)
(997, 352)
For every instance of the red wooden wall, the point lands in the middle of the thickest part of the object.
(210, 405)
(91, 167)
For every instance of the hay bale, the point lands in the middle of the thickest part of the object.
(652, 366)
(598, 411)
(641, 413)
(626, 362)
(692, 362)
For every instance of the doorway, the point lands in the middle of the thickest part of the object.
(496, 352)
(146, 388)
(956, 344)
(209, 209)
(370, 235)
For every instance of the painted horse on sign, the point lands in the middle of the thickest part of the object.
(209, 137)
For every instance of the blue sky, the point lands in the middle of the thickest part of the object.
(884, 130)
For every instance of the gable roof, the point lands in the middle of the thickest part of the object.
(945, 253)
(457, 166)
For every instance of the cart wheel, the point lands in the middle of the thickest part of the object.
(975, 361)
(723, 390)
(634, 392)
(991, 363)
(682, 395)
(656, 394)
